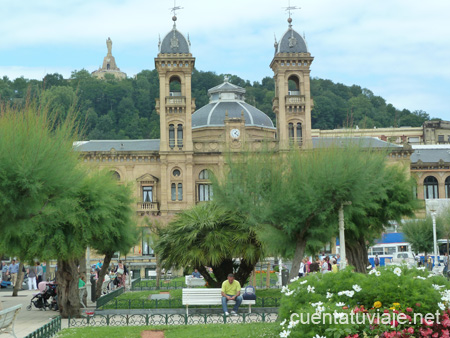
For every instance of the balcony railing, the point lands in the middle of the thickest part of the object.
(295, 99)
(175, 100)
(147, 206)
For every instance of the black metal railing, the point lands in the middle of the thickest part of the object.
(48, 330)
(173, 303)
(109, 297)
(135, 282)
(145, 285)
(170, 319)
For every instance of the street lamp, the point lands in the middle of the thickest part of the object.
(433, 207)
(342, 235)
(88, 273)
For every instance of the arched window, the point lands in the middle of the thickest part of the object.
(204, 175)
(175, 86)
(291, 131)
(108, 66)
(171, 136)
(299, 133)
(430, 186)
(116, 175)
(293, 85)
(180, 191)
(180, 136)
(174, 192)
(204, 189)
(447, 187)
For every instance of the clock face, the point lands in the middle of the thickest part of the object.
(235, 133)
(108, 59)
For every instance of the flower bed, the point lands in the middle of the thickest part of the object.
(389, 302)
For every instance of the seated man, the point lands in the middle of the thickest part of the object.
(231, 290)
(196, 274)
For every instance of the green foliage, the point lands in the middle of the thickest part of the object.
(38, 171)
(209, 235)
(293, 198)
(125, 109)
(412, 289)
(419, 233)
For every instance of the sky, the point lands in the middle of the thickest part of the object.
(398, 49)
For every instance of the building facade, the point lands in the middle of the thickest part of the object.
(172, 174)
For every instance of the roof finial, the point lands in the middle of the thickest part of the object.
(289, 9)
(159, 43)
(174, 10)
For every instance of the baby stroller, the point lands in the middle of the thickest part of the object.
(46, 298)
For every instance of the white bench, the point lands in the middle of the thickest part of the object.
(7, 318)
(209, 297)
(193, 281)
(438, 270)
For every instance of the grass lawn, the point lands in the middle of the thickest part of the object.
(250, 330)
(140, 299)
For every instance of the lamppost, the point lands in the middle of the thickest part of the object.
(433, 206)
(342, 235)
(88, 274)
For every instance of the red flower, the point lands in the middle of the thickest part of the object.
(408, 309)
(410, 330)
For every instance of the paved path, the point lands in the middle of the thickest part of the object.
(28, 321)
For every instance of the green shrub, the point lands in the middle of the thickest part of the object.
(409, 288)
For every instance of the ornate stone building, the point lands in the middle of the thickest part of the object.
(172, 173)
(109, 65)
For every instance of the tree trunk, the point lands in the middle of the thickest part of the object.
(244, 272)
(298, 256)
(102, 273)
(68, 295)
(19, 280)
(208, 278)
(356, 252)
(158, 272)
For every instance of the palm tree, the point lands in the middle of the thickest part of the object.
(208, 235)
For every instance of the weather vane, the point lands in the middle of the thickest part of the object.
(290, 8)
(175, 8)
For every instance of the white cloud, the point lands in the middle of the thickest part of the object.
(392, 42)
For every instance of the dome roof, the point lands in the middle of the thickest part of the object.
(174, 42)
(291, 42)
(227, 101)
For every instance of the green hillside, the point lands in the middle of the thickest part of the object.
(125, 109)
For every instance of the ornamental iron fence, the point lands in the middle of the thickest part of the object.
(109, 297)
(170, 319)
(48, 330)
(173, 303)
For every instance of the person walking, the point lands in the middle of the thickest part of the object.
(31, 271)
(39, 273)
(4, 271)
(13, 270)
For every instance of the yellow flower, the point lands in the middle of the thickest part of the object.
(396, 304)
(392, 308)
(377, 304)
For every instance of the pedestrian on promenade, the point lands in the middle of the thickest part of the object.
(13, 271)
(4, 271)
(39, 273)
(31, 271)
